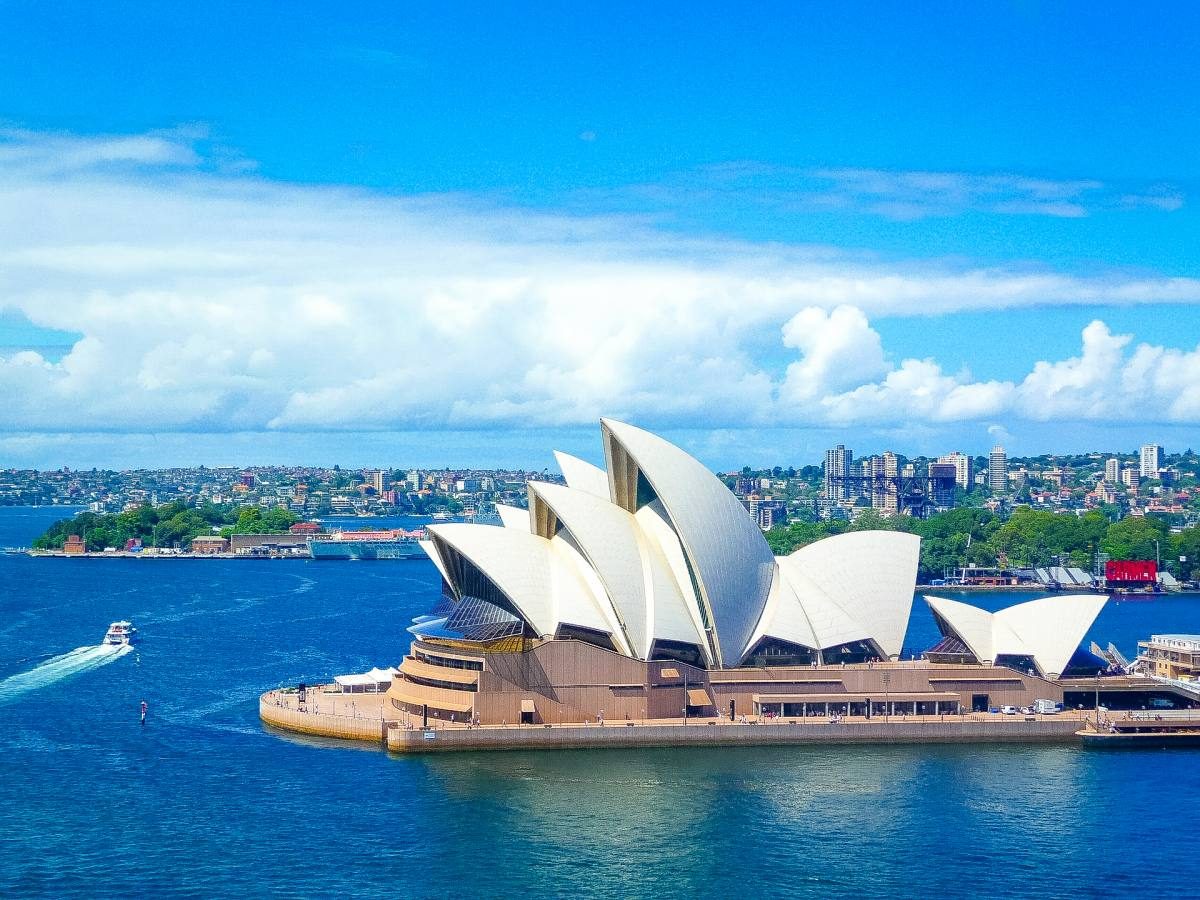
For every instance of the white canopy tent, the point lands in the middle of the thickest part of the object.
(367, 682)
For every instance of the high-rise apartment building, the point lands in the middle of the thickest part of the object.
(838, 461)
(1151, 461)
(891, 468)
(963, 476)
(998, 471)
(1112, 470)
(884, 473)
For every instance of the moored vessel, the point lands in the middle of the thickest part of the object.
(390, 544)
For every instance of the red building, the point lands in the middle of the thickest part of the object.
(305, 528)
(1131, 572)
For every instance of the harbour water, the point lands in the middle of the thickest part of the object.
(202, 801)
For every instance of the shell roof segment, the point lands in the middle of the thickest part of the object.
(727, 555)
(658, 549)
(1048, 630)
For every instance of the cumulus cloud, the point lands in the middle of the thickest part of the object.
(838, 349)
(1102, 383)
(209, 299)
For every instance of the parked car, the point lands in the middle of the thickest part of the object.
(1008, 710)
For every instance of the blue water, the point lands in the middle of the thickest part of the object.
(202, 801)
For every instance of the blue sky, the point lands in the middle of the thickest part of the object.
(328, 229)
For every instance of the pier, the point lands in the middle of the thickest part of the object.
(1162, 728)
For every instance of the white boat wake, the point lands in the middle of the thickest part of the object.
(81, 659)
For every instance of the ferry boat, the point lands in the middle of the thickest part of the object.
(391, 544)
(120, 633)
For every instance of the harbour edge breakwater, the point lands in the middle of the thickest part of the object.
(400, 738)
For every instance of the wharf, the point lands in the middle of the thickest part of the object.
(1168, 728)
(370, 717)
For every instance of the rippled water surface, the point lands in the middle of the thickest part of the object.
(202, 801)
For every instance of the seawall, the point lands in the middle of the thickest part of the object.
(562, 737)
(280, 711)
(348, 728)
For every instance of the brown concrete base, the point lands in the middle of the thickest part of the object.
(281, 712)
(350, 728)
(561, 737)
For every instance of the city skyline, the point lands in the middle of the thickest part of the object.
(406, 266)
(381, 458)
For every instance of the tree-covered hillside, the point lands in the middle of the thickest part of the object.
(170, 525)
(1030, 537)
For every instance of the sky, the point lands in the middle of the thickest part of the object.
(384, 234)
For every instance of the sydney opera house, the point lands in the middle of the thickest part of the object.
(644, 590)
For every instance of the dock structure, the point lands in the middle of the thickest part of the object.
(1161, 728)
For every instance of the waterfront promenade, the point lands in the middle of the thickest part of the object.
(371, 717)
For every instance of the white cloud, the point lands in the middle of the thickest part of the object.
(1104, 383)
(227, 302)
(914, 195)
(61, 153)
(838, 349)
(902, 195)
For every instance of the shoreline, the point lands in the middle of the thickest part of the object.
(919, 588)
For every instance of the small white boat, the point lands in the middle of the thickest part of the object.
(120, 633)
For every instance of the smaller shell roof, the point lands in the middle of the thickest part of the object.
(1048, 629)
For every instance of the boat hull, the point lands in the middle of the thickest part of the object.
(365, 550)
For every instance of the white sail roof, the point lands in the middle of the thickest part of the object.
(1048, 629)
(582, 475)
(869, 576)
(637, 580)
(658, 549)
(727, 553)
(431, 551)
(513, 517)
(537, 580)
(830, 623)
(784, 617)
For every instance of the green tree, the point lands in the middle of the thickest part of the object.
(1186, 544)
(1133, 538)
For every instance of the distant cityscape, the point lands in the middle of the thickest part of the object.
(1120, 484)
(843, 487)
(306, 491)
